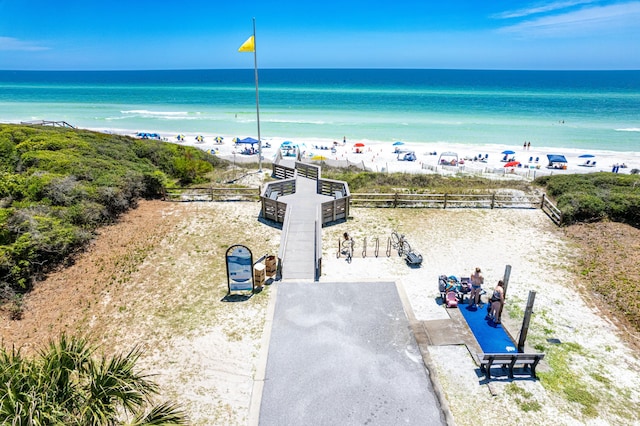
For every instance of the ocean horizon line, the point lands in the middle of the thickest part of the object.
(326, 69)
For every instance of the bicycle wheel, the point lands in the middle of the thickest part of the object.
(395, 239)
(348, 244)
(405, 249)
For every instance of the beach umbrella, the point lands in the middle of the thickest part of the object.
(180, 137)
(512, 164)
(218, 139)
(235, 140)
(508, 152)
(359, 145)
(586, 156)
(286, 143)
(199, 138)
(319, 158)
(398, 143)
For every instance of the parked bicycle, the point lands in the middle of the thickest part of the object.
(399, 243)
(346, 247)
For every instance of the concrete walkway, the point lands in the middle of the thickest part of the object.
(344, 354)
(299, 256)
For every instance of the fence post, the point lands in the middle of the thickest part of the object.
(395, 200)
(542, 202)
(445, 201)
(493, 200)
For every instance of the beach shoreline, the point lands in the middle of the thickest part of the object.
(381, 156)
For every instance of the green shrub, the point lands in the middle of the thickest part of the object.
(595, 196)
(57, 185)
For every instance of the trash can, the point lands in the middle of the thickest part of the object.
(258, 275)
(270, 264)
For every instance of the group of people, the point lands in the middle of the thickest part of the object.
(497, 296)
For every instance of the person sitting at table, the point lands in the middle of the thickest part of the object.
(476, 286)
(497, 301)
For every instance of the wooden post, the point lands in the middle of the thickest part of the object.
(542, 202)
(493, 200)
(395, 200)
(505, 282)
(525, 322)
(505, 278)
(445, 201)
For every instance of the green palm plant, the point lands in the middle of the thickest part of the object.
(67, 384)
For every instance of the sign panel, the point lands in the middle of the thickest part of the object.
(239, 268)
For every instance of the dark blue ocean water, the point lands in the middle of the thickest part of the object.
(573, 109)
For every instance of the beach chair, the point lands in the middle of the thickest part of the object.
(530, 159)
(592, 164)
(504, 159)
(537, 159)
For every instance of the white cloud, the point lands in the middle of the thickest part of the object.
(589, 21)
(10, 43)
(545, 8)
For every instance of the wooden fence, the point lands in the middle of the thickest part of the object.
(339, 208)
(212, 194)
(444, 201)
(551, 210)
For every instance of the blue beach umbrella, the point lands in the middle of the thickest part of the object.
(508, 152)
(398, 143)
(586, 156)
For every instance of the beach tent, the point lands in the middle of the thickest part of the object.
(556, 161)
(448, 159)
(251, 141)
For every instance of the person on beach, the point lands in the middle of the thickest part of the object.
(344, 140)
(528, 146)
(497, 301)
(476, 286)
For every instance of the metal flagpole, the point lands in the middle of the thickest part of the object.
(255, 67)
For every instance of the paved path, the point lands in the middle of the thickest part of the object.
(344, 354)
(299, 256)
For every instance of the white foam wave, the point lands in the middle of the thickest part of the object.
(162, 115)
(630, 129)
(279, 120)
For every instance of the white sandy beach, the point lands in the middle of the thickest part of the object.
(381, 156)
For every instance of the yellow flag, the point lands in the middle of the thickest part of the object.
(248, 46)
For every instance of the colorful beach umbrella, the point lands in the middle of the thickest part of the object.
(359, 145)
(508, 152)
(398, 143)
(319, 158)
(218, 139)
(199, 138)
(180, 137)
(586, 156)
(512, 164)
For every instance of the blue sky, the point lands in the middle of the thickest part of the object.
(205, 34)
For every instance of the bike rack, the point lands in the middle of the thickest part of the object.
(373, 243)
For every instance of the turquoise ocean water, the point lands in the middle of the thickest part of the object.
(572, 109)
